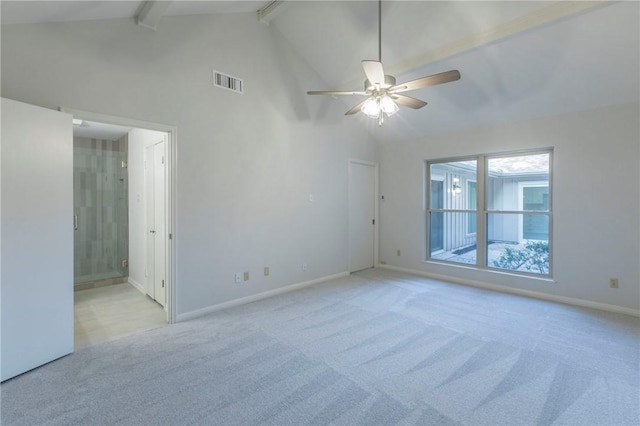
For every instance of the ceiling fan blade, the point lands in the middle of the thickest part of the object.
(356, 108)
(374, 72)
(408, 101)
(432, 80)
(334, 92)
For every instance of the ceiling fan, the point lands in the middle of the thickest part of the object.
(383, 94)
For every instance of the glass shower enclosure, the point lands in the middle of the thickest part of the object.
(100, 197)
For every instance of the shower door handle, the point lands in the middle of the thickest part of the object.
(75, 222)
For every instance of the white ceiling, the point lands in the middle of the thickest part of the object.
(22, 12)
(518, 59)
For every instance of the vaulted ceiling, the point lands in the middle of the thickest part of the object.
(518, 59)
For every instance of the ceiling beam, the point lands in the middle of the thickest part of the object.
(552, 13)
(151, 13)
(270, 11)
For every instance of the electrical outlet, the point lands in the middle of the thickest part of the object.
(613, 283)
(382, 262)
(246, 276)
(266, 271)
(238, 277)
(305, 267)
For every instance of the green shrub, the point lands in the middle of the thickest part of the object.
(533, 257)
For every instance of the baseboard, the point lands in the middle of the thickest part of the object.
(137, 285)
(528, 293)
(255, 297)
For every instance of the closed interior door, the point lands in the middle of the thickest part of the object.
(37, 237)
(362, 195)
(155, 215)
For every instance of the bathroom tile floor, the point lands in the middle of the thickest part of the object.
(108, 313)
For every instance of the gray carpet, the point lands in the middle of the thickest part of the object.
(375, 348)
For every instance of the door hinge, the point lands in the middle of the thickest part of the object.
(373, 221)
(163, 159)
(162, 283)
(170, 236)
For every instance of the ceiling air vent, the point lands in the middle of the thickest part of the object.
(227, 82)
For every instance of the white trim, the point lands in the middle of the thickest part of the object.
(137, 285)
(172, 187)
(527, 293)
(376, 210)
(255, 297)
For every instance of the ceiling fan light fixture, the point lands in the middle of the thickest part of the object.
(388, 106)
(382, 89)
(371, 107)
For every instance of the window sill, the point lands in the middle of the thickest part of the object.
(548, 280)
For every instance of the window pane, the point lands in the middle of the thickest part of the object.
(518, 183)
(535, 196)
(449, 239)
(449, 184)
(471, 205)
(518, 242)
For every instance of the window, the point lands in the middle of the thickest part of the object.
(472, 202)
(491, 211)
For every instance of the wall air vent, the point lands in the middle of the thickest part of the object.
(225, 81)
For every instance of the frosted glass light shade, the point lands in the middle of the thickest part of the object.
(371, 108)
(388, 106)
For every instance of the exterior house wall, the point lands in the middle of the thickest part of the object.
(456, 233)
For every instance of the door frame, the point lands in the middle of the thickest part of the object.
(376, 212)
(171, 190)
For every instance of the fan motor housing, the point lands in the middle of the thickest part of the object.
(389, 81)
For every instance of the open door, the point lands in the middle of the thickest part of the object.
(36, 257)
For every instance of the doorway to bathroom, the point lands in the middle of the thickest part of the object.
(100, 205)
(123, 217)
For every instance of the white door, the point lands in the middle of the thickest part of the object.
(155, 177)
(159, 222)
(149, 285)
(37, 237)
(362, 200)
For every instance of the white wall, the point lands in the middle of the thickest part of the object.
(596, 204)
(139, 139)
(246, 164)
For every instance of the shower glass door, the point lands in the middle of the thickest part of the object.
(100, 209)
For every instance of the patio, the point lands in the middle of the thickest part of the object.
(495, 249)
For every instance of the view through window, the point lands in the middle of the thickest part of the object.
(511, 192)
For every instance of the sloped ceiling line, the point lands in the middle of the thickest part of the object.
(151, 13)
(552, 13)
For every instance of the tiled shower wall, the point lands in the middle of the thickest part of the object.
(100, 204)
